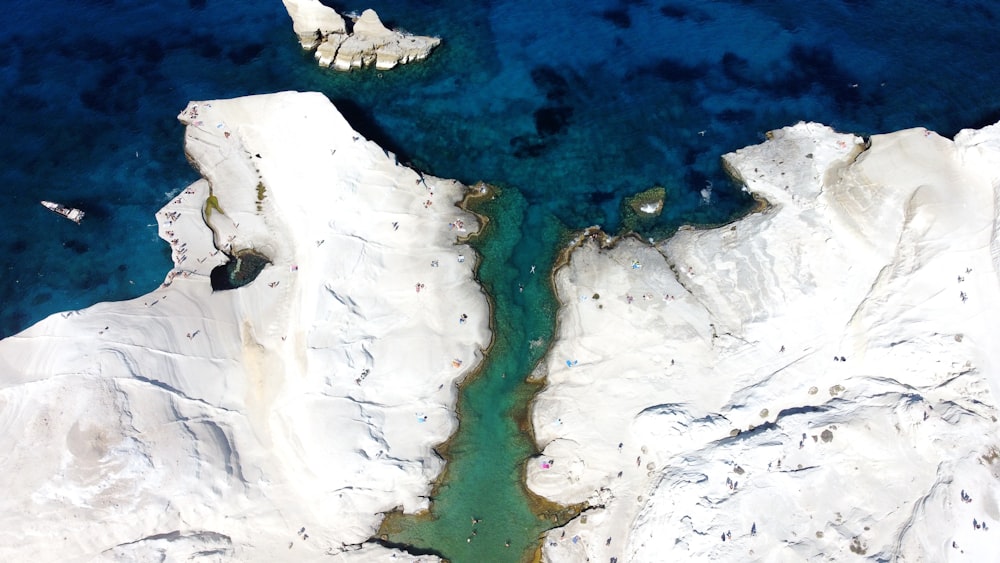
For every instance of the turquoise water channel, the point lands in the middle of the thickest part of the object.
(571, 105)
(480, 511)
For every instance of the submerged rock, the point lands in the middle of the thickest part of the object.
(643, 206)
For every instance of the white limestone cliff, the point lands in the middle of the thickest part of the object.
(274, 422)
(815, 381)
(369, 43)
(313, 22)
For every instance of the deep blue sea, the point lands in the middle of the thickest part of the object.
(573, 103)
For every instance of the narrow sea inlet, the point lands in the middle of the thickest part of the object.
(569, 107)
(481, 510)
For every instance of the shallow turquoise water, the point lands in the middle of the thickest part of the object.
(570, 106)
(484, 478)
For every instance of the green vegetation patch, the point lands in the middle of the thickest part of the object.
(261, 192)
(212, 203)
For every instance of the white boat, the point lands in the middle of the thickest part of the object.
(70, 213)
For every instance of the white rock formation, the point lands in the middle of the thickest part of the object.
(816, 381)
(313, 22)
(274, 422)
(369, 43)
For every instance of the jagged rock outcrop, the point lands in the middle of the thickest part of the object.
(369, 43)
(313, 22)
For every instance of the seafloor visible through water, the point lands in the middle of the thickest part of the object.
(569, 105)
